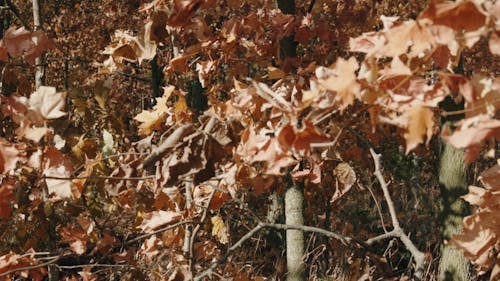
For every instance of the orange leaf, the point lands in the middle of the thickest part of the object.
(420, 123)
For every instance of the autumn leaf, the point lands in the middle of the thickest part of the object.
(151, 119)
(473, 133)
(57, 165)
(7, 198)
(47, 102)
(419, 124)
(346, 177)
(155, 219)
(9, 156)
(219, 229)
(339, 82)
(301, 139)
(22, 42)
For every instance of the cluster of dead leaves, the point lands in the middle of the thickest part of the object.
(481, 234)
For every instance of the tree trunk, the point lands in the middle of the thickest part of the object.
(38, 61)
(452, 177)
(453, 183)
(294, 201)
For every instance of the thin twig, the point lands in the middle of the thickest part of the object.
(387, 235)
(147, 235)
(379, 210)
(100, 178)
(208, 272)
(170, 142)
(348, 241)
(31, 267)
(93, 265)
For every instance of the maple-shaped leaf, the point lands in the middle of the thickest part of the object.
(22, 42)
(47, 102)
(9, 156)
(152, 119)
(57, 165)
(472, 133)
(155, 219)
(274, 157)
(419, 122)
(300, 139)
(339, 83)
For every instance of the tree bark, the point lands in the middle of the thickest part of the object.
(453, 183)
(294, 201)
(452, 178)
(38, 61)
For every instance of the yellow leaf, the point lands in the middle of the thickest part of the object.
(219, 229)
(151, 119)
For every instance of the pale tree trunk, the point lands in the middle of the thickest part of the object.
(38, 61)
(452, 177)
(294, 199)
(294, 206)
(453, 182)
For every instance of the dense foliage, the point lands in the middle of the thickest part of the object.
(165, 126)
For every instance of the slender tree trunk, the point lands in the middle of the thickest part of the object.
(452, 177)
(453, 182)
(294, 206)
(294, 199)
(38, 61)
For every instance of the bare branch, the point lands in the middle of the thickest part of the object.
(170, 142)
(147, 235)
(208, 272)
(52, 261)
(348, 241)
(397, 231)
(100, 177)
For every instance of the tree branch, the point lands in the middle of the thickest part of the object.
(170, 142)
(397, 231)
(52, 261)
(147, 235)
(347, 241)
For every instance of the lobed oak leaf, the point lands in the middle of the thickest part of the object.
(419, 123)
(47, 102)
(155, 219)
